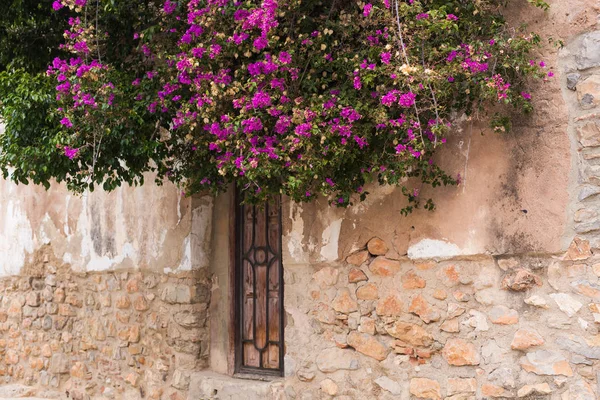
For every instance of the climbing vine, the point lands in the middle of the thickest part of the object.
(302, 98)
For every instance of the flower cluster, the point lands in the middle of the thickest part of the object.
(249, 92)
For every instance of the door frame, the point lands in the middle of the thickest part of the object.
(235, 301)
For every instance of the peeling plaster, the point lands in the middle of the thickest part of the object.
(331, 239)
(295, 237)
(16, 239)
(202, 225)
(186, 259)
(430, 248)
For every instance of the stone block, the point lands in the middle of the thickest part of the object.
(177, 294)
(368, 345)
(459, 352)
(424, 388)
(588, 92)
(377, 247)
(588, 52)
(334, 359)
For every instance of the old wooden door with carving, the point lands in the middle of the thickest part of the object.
(259, 289)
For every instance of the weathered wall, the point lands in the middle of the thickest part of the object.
(103, 295)
(126, 295)
(148, 227)
(373, 327)
(491, 295)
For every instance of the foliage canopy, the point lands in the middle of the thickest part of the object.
(279, 96)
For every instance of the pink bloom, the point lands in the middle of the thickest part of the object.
(357, 83)
(215, 50)
(303, 130)
(285, 58)
(422, 16)
(451, 17)
(526, 95)
(367, 9)
(542, 64)
(169, 7)
(450, 79)
(386, 57)
(57, 5)
(66, 122)
(261, 100)
(550, 74)
(407, 100)
(492, 42)
(71, 152)
(81, 47)
(260, 43)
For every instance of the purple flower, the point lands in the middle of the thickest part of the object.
(542, 64)
(303, 130)
(492, 42)
(389, 98)
(66, 122)
(241, 15)
(198, 52)
(169, 7)
(57, 5)
(252, 124)
(285, 58)
(283, 123)
(450, 79)
(260, 43)
(407, 99)
(215, 50)
(70, 152)
(357, 83)
(80, 3)
(550, 74)
(367, 9)
(238, 38)
(451, 17)
(261, 100)
(330, 182)
(386, 57)
(526, 95)
(81, 47)
(422, 16)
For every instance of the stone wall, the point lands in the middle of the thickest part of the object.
(127, 295)
(111, 335)
(373, 327)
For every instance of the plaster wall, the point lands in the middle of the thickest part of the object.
(148, 227)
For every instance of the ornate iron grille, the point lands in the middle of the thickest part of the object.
(259, 289)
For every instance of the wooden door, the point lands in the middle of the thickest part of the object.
(259, 289)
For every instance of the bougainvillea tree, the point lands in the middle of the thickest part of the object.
(302, 98)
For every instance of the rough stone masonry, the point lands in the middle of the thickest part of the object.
(490, 327)
(494, 295)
